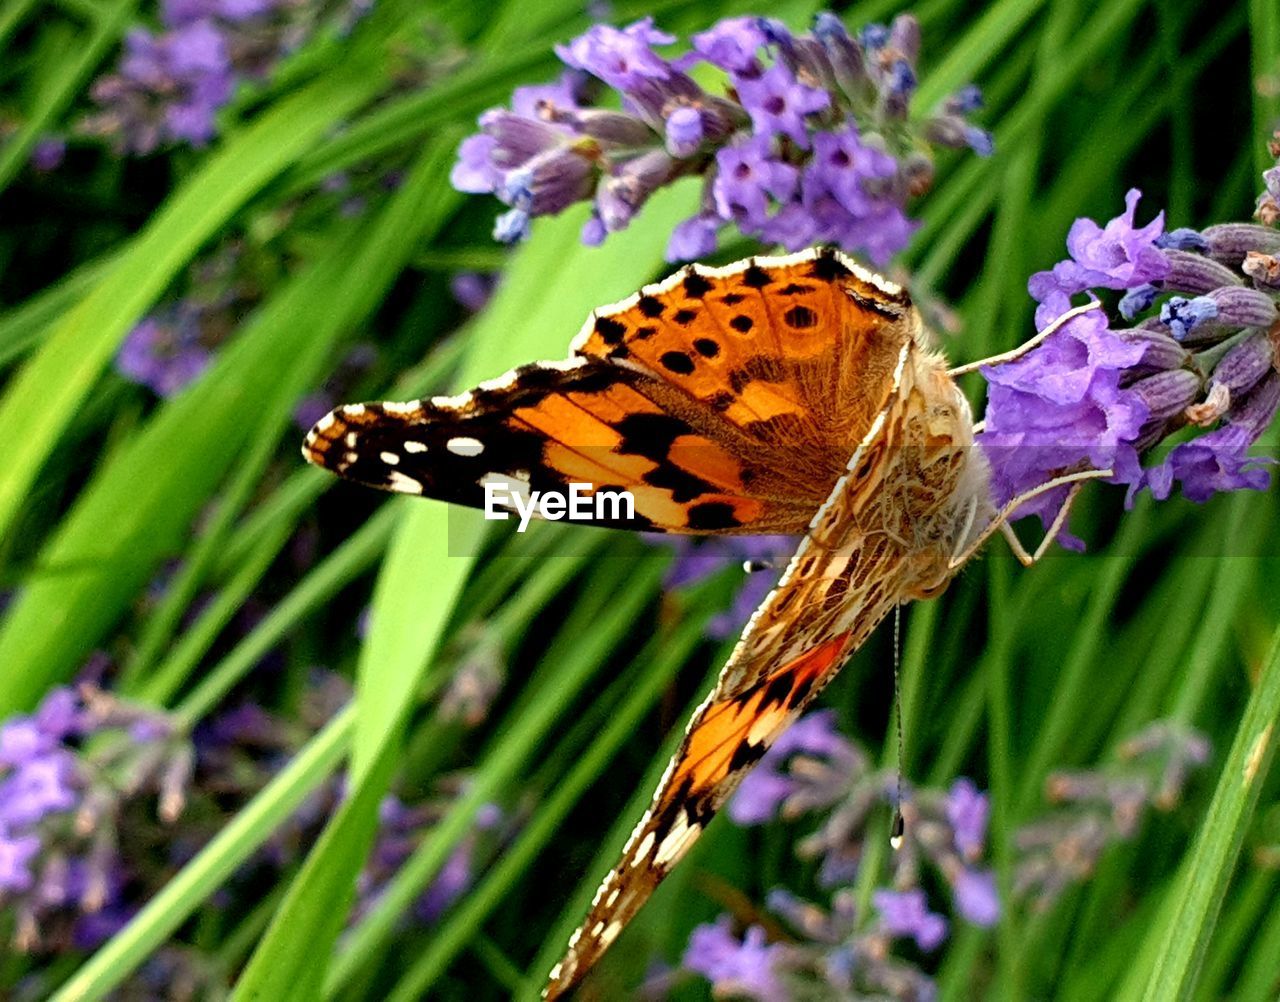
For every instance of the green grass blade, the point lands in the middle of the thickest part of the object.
(54, 382)
(1198, 894)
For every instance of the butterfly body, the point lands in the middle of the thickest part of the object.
(783, 395)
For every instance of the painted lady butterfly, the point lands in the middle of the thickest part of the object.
(726, 400)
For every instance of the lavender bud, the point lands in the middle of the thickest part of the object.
(1241, 307)
(1137, 300)
(618, 198)
(610, 127)
(845, 57)
(593, 231)
(1244, 365)
(1182, 315)
(1162, 352)
(684, 132)
(518, 138)
(1230, 242)
(900, 85)
(1268, 211)
(917, 174)
(174, 782)
(904, 35)
(1271, 178)
(511, 227)
(1252, 415)
(1195, 274)
(1184, 239)
(1264, 269)
(1168, 394)
(965, 101)
(873, 37)
(549, 183)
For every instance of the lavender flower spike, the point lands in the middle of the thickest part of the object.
(810, 142)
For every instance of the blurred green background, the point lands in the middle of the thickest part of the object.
(268, 566)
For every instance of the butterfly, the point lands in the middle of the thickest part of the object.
(793, 394)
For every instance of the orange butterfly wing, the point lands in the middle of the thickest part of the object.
(724, 400)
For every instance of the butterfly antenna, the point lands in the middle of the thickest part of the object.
(898, 826)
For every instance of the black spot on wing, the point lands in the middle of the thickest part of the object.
(612, 331)
(828, 267)
(685, 317)
(678, 362)
(742, 323)
(695, 286)
(800, 317)
(711, 515)
(746, 755)
(756, 277)
(650, 435)
(777, 690)
(732, 298)
(682, 485)
(650, 306)
(706, 347)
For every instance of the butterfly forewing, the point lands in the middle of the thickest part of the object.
(723, 400)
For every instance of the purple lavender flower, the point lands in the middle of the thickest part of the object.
(48, 154)
(732, 45)
(737, 968)
(169, 86)
(976, 897)
(1094, 397)
(748, 175)
(1099, 807)
(472, 289)
(766, 787)
(968, 810)
(624, 59)
(1119, 255)
(906, 914)
(164, 351)
(779, 104)
(785, 96)
(17, 853)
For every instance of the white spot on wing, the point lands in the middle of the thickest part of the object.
(642, 850)
(407, 485)
(454, 402)
(354, 410)
(415, 446)
(679, 838)
(390, 458)
(401, 409)
(464, 445)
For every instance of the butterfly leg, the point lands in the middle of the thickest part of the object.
(1026, 346)
(1006, 513)
(1059, 520)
